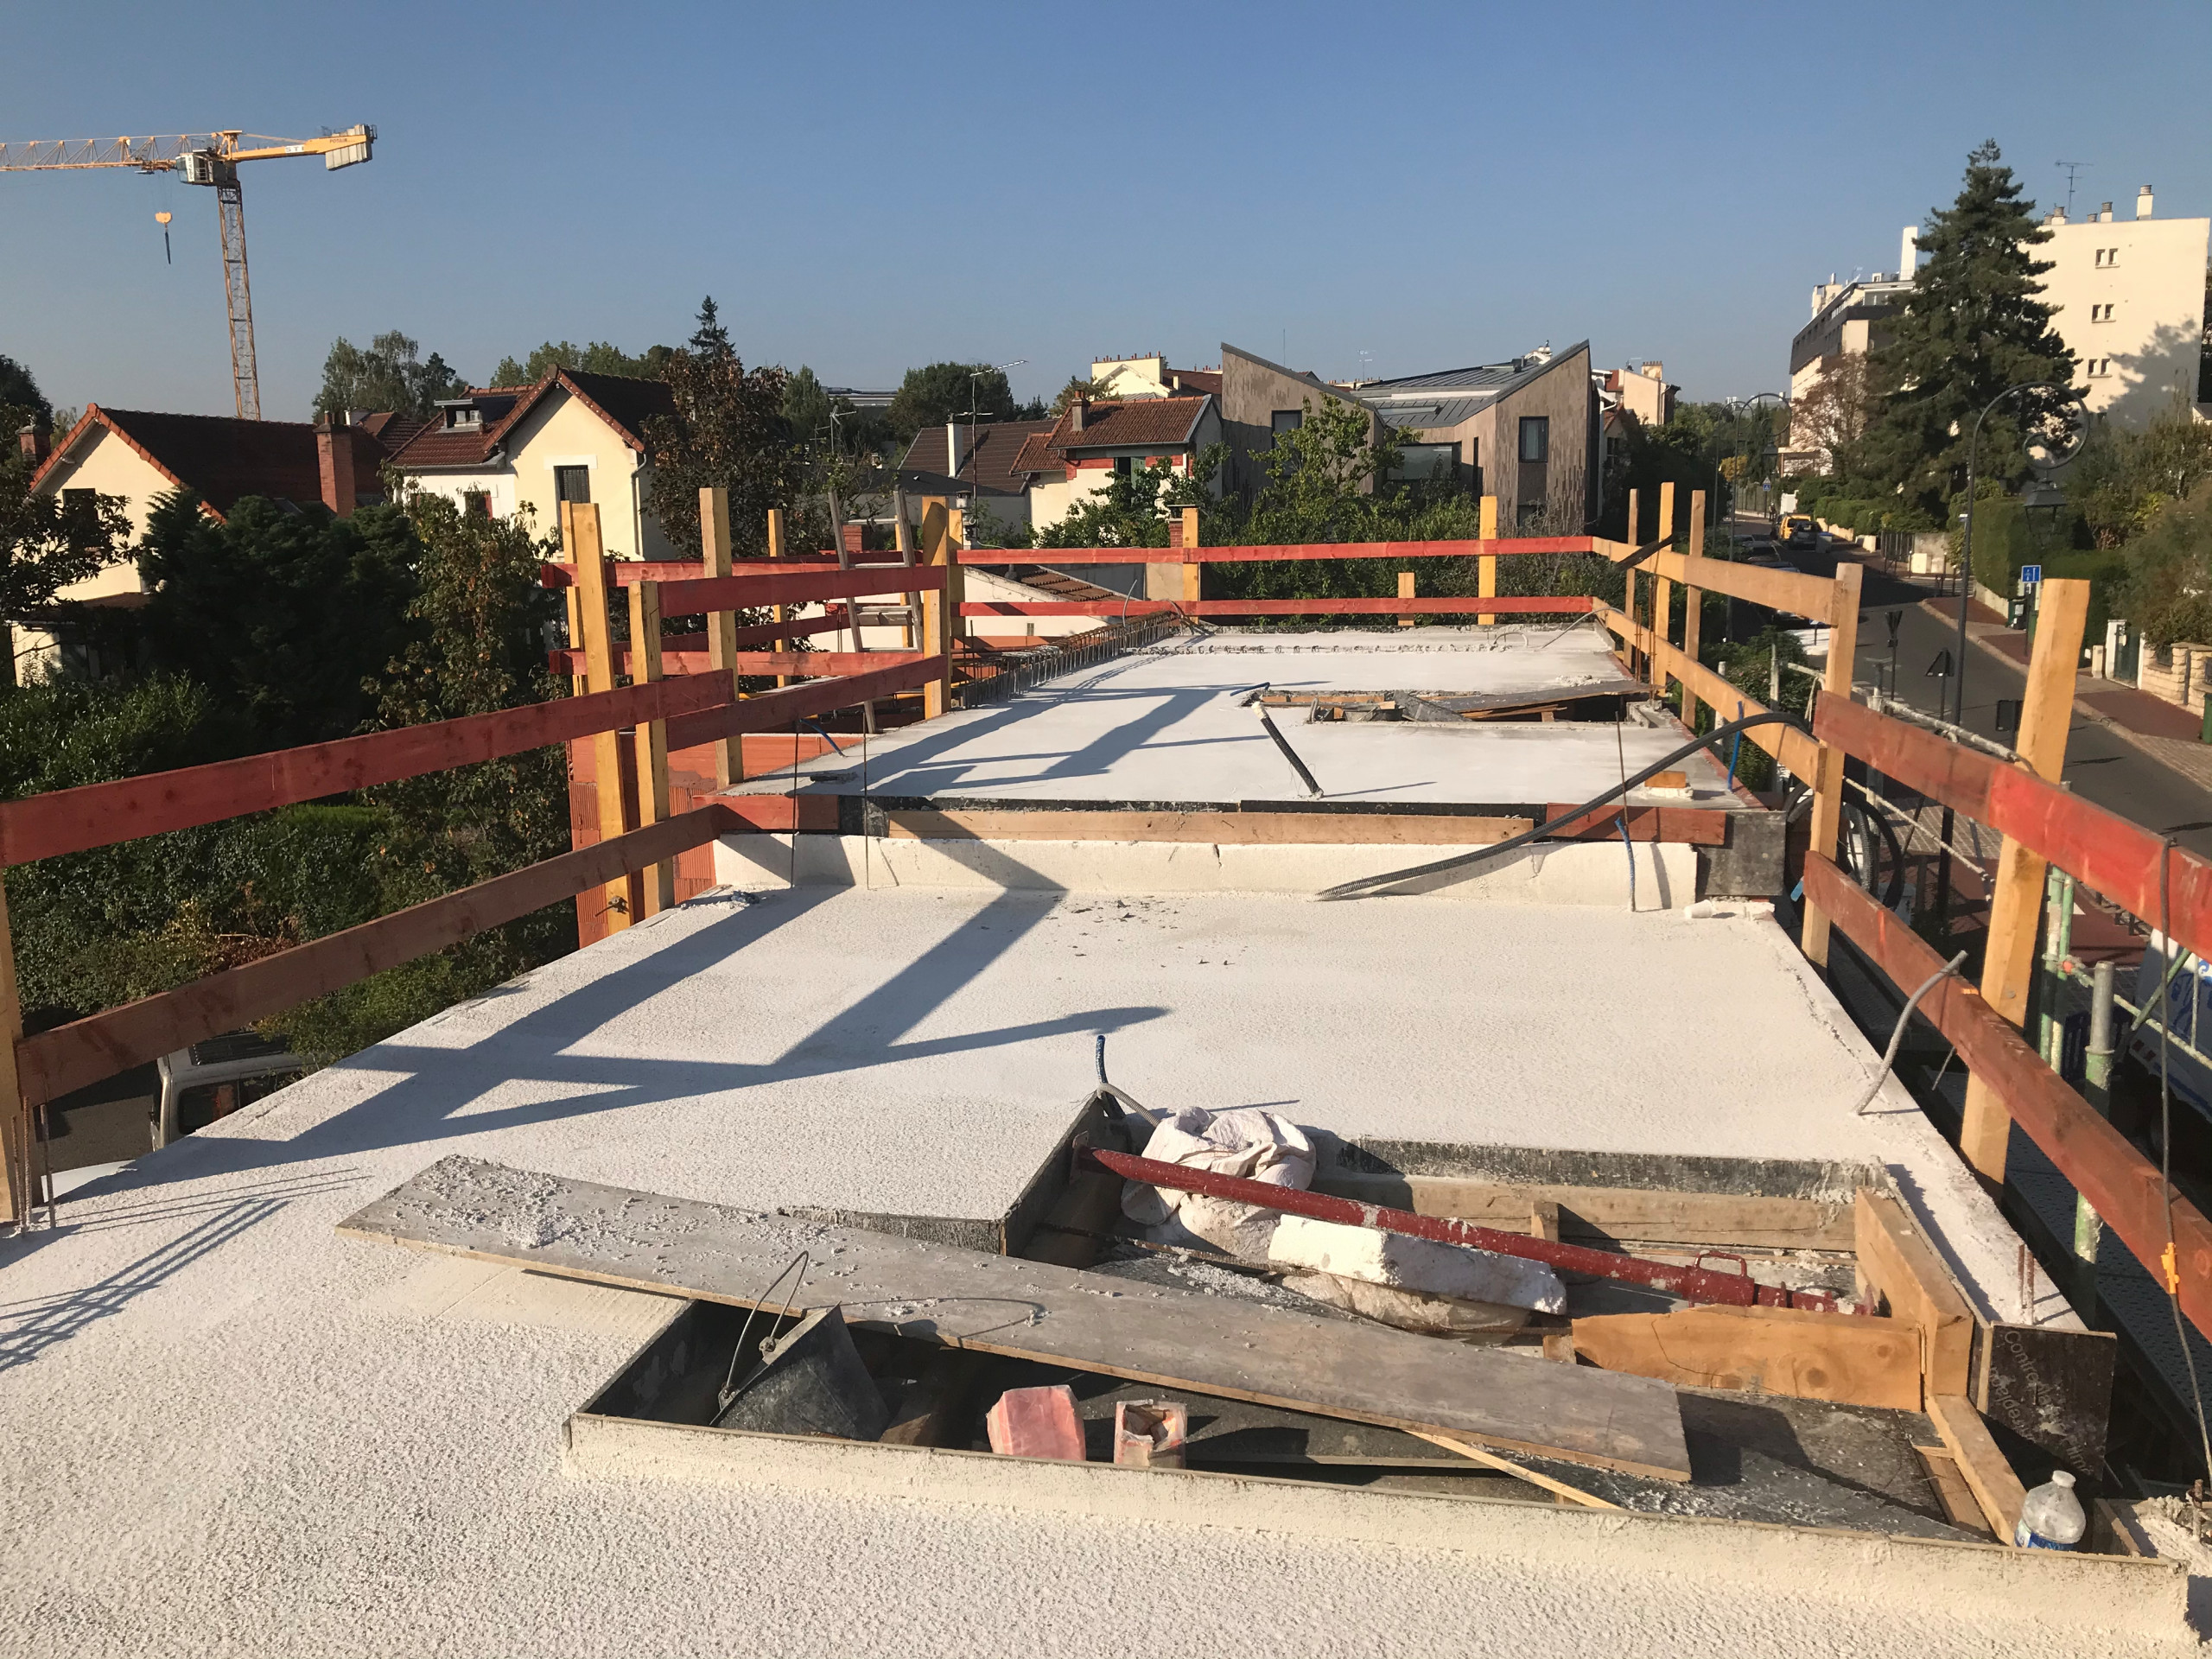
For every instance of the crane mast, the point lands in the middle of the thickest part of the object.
(204, 158)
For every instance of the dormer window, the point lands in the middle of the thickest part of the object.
(461, 415)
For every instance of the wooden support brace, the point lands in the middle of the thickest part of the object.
(776, 551)
(1896, 1262)
(939, 613)
(1987, 1475)
(580, 537)
(1663, 591)
(2016, 904)
(1828, 783)
(1628, 586)
(1692, 605)
(17, 1190)
(1193, 569)
(1406, 591)
(1486, 564)
(651, 740)
(715, 551)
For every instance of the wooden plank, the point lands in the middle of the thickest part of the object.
(1996, 1489)
(1686, 825)
(1895, 1260)
(1613, 1214)
(2122, 1187)
(1519, 605)
(1031, 1310)
(16, 1190)
(1827, 778)
(1786, 1350)
(1628, 583)
(650, 738)
(1663, 592)
(1406, 591)
(1693, 605)
(778, 614)
(2016, 901)
(1217, 829)
(939, 621)
(617, 907)
(682, 653)
(1787, 745)
(1543, 1219)
(1952, 1492)
(102, 814)
(1193, 567)
(1507, 547)
(2051, 1387)
(716, 545)
(1467, 1448)
(702, 594)
(87, 1051)
(774, 711)
(1486, 562)
(2104, 851)
(1788, 591)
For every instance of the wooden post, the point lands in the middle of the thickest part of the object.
(578, 683)
(903, 534)
(1628, 585)
(779, 613)
(656, 884)
(937, 641)
(1692, 608)
(1405, 591)
(1827, 783)
(1486, 563)
(580, 532)
(2008, 969)
(18, 1188)
(1662, 590)
(721, 627)
(1193, 569)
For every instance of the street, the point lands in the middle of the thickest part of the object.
(2101, 765)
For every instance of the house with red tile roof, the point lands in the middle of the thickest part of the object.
(141, 455)
(1079, 456)
(974, 465)
(573, 436)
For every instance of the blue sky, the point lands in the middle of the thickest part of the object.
(867, 187)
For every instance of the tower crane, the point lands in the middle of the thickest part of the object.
(208, 158)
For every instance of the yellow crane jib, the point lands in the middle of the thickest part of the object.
(208, 158)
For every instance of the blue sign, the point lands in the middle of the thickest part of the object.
(2031, 574)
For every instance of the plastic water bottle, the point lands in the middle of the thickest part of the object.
(2051, 1518)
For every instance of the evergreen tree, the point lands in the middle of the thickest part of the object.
(710, 339)
(1973, 327)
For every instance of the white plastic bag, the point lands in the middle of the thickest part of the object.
(1243, 1140)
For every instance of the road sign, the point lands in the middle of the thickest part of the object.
(1941, 668)
(2031, 574)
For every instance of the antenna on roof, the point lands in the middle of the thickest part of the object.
(2072, 168)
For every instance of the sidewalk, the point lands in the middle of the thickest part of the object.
(2166, 733)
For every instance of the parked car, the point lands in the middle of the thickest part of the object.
(1798, 530)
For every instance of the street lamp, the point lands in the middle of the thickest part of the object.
(2058, 455)
(974, 396)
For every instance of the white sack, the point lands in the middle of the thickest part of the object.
(1408, 1263)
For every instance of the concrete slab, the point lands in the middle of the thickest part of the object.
(1169, 724)
(229, 1429)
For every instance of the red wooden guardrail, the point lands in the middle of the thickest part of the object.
(1253, 554)
(1461, 605)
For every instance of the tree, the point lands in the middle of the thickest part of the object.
(825, 424)
(1320, 478)
(709, 338)
(2168, 593)
(387, 376)
(48, 542)
(2123, 480)
(1835, 410)
(1971, 327)
(19, 392)
(729, 428)
(948, 391)
(601, 357)
(1077, 387)
(1132, 510)
(281, 614)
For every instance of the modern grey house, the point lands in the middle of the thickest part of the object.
(1524, 431)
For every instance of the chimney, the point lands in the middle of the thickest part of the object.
(853, 533)
(2104, 214)
(33, 440)
(1078, 411)
(1908, 252)
(2143, 202)
(334, 450)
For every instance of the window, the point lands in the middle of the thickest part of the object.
(1529, 515)
(476, 503)
(2096, 367)
(1535, 437)
(2101, 314)
(2108, 257)
(463, 414)
(1427, 462)
(1287, 420)
(572, 483)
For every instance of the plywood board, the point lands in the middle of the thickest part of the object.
(1808, 1355)
(1035, 1311)
(2052, 1388)
(1896, 1261)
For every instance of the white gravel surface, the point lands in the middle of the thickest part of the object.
(225, 1430)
